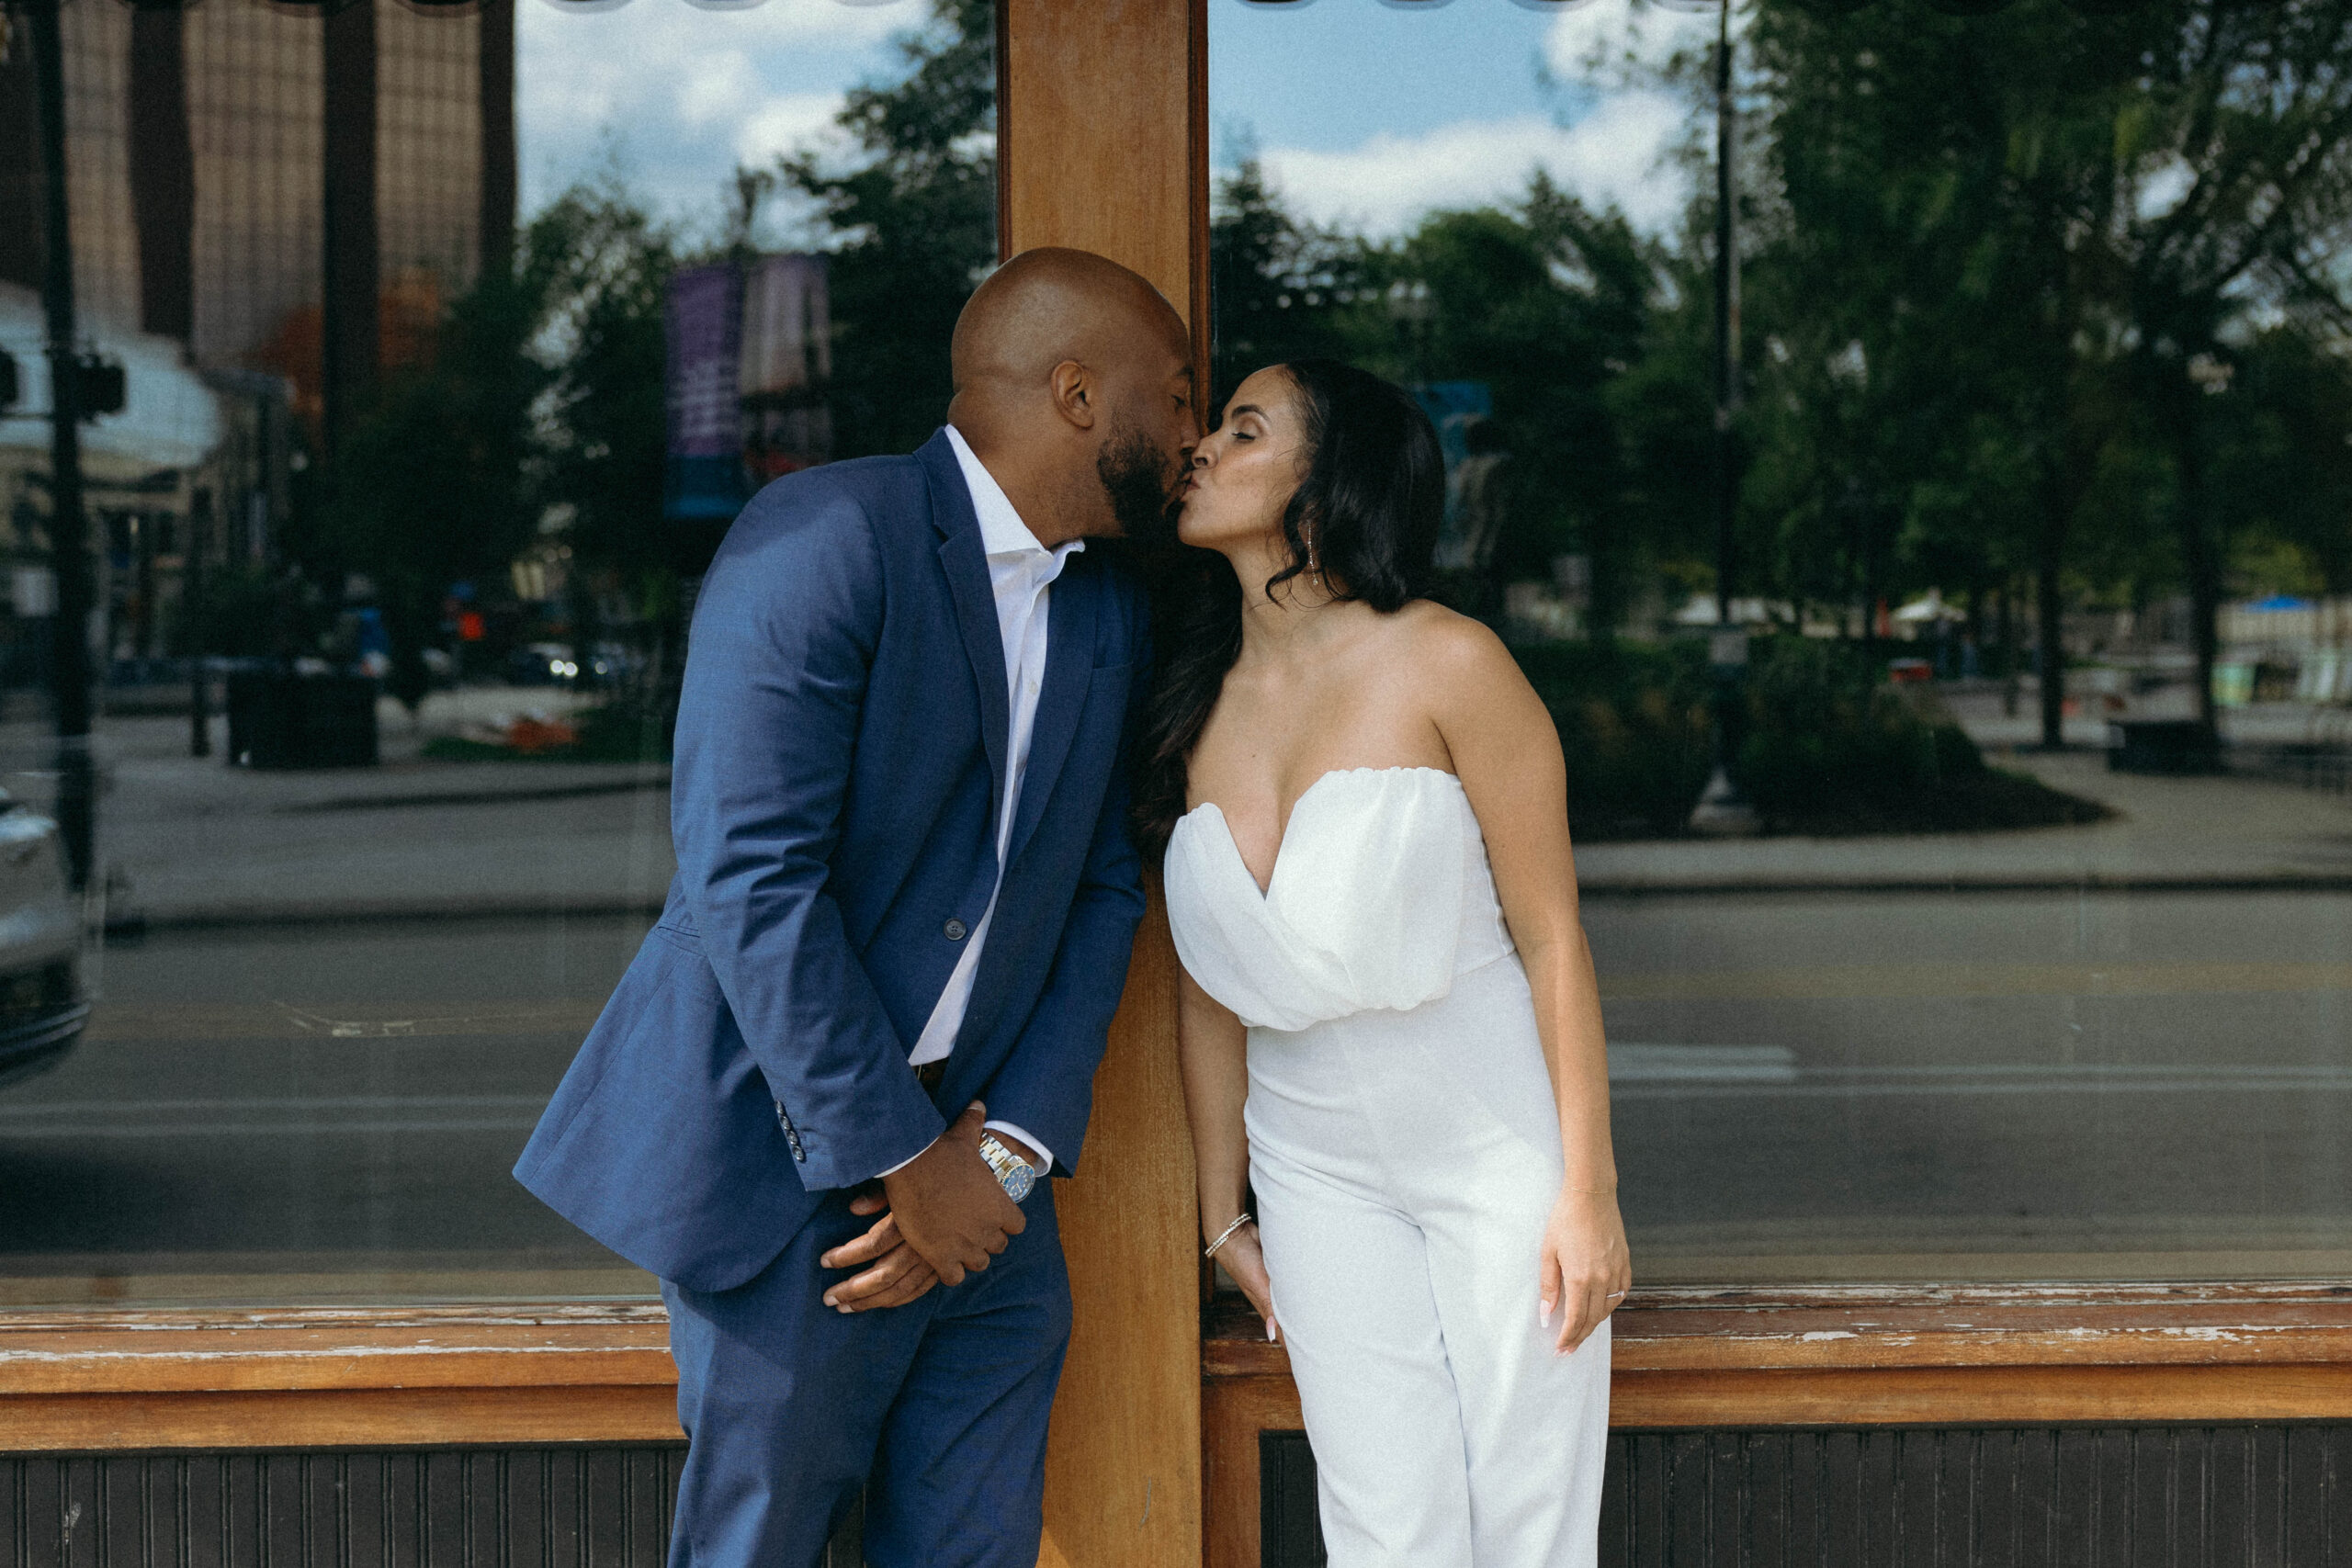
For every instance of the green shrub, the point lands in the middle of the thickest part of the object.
(1826, 745)
(1634, 727)
(1823, 725)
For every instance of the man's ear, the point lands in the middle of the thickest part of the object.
(1074, 392)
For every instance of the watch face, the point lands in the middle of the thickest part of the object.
(1018, 1182)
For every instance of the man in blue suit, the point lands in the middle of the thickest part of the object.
(871, 1012)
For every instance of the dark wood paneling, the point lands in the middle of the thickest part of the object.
(2263, 1496)
(541, 1508)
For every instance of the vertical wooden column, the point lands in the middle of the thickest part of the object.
(1103, 145)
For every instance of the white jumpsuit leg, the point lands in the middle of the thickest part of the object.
(1406, 1164)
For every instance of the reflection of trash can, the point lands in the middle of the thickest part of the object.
(282, 720)
(2163, 745)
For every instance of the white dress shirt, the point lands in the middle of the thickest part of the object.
(1021, 574)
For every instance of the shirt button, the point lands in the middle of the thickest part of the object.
(955, 930)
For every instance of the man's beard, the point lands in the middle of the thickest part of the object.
(1134, 480)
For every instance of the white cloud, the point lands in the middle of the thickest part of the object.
(780, 125)
(679, 92)
(1616, 41)
(1614, 156)
(715, 87)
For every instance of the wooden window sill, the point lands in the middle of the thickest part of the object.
(1683, 1357)
(335, 1377)
(1688, 1356)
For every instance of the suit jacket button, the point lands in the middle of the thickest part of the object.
(955, 931)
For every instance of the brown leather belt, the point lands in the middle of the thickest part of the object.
(930, 1072)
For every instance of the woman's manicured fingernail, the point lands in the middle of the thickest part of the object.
(1270, 1331)
(1544, 1314)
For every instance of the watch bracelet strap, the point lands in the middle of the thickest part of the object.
(1002, 1160)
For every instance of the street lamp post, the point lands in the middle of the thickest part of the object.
(68, 541)
(1722, 811)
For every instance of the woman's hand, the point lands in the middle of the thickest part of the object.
(1584, 1270)
(1246, 1262)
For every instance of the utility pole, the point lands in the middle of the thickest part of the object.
(200, 690)
(1722, 811)
(68, 525)
(1726, 483)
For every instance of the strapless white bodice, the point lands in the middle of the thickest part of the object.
(1381, 896)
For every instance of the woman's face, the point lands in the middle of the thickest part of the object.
(1248, 468)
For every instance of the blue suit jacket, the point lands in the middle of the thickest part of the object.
(841, 764)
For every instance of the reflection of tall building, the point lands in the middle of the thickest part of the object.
(291, 193)
(220, 173)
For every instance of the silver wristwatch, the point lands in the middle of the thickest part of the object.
(1015, 1175)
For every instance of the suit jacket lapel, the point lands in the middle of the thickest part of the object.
(1070, 668)
(966, 566)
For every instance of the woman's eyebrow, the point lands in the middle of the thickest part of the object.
(1245, 408)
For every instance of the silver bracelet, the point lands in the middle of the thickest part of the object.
(1227, 1233)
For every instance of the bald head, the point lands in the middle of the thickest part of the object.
(1050, 305)
(1073, 386)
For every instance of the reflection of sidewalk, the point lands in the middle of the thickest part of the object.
(193, 841)
(2202, 832)
(196, 842)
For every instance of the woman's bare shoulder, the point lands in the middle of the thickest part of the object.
(1463, 675)
(1446, 647)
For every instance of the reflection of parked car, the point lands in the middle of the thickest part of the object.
(543, 664)
(557, 664)
(42, 1008)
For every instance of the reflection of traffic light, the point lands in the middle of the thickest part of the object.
(101, 385)
(10, 388)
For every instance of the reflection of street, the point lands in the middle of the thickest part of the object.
(2010, 1076)
(2045, 1073)
(345, 1100)
(187, 840)
(1873, 1078)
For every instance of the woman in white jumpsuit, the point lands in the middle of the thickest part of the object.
(1390, 1031)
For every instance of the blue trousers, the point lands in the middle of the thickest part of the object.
(938, 1407)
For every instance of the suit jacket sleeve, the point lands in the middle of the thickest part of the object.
(1046, 1085)
(783, 637)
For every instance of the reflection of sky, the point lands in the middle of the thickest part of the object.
(1364, 112)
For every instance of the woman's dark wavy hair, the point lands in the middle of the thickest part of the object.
(1371, 499)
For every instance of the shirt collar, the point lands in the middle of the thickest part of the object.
(1002, 531)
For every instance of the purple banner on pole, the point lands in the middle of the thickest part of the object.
(704, 328)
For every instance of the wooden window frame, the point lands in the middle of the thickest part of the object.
(1104, 145)
(92, 1380)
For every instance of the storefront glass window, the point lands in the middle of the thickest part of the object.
(2012, 602)
(391, 544)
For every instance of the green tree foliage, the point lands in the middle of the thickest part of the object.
(541, 401)
(2030, 241)
(599, 270)
(434, 485)
(1547, 303)
(916, 222)
(2043, 225)
(1280, 289)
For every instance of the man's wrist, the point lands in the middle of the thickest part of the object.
(1018, 1139)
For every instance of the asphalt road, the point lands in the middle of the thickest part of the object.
(2054, 1084)
(286, 1101)
(1805, 1085)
